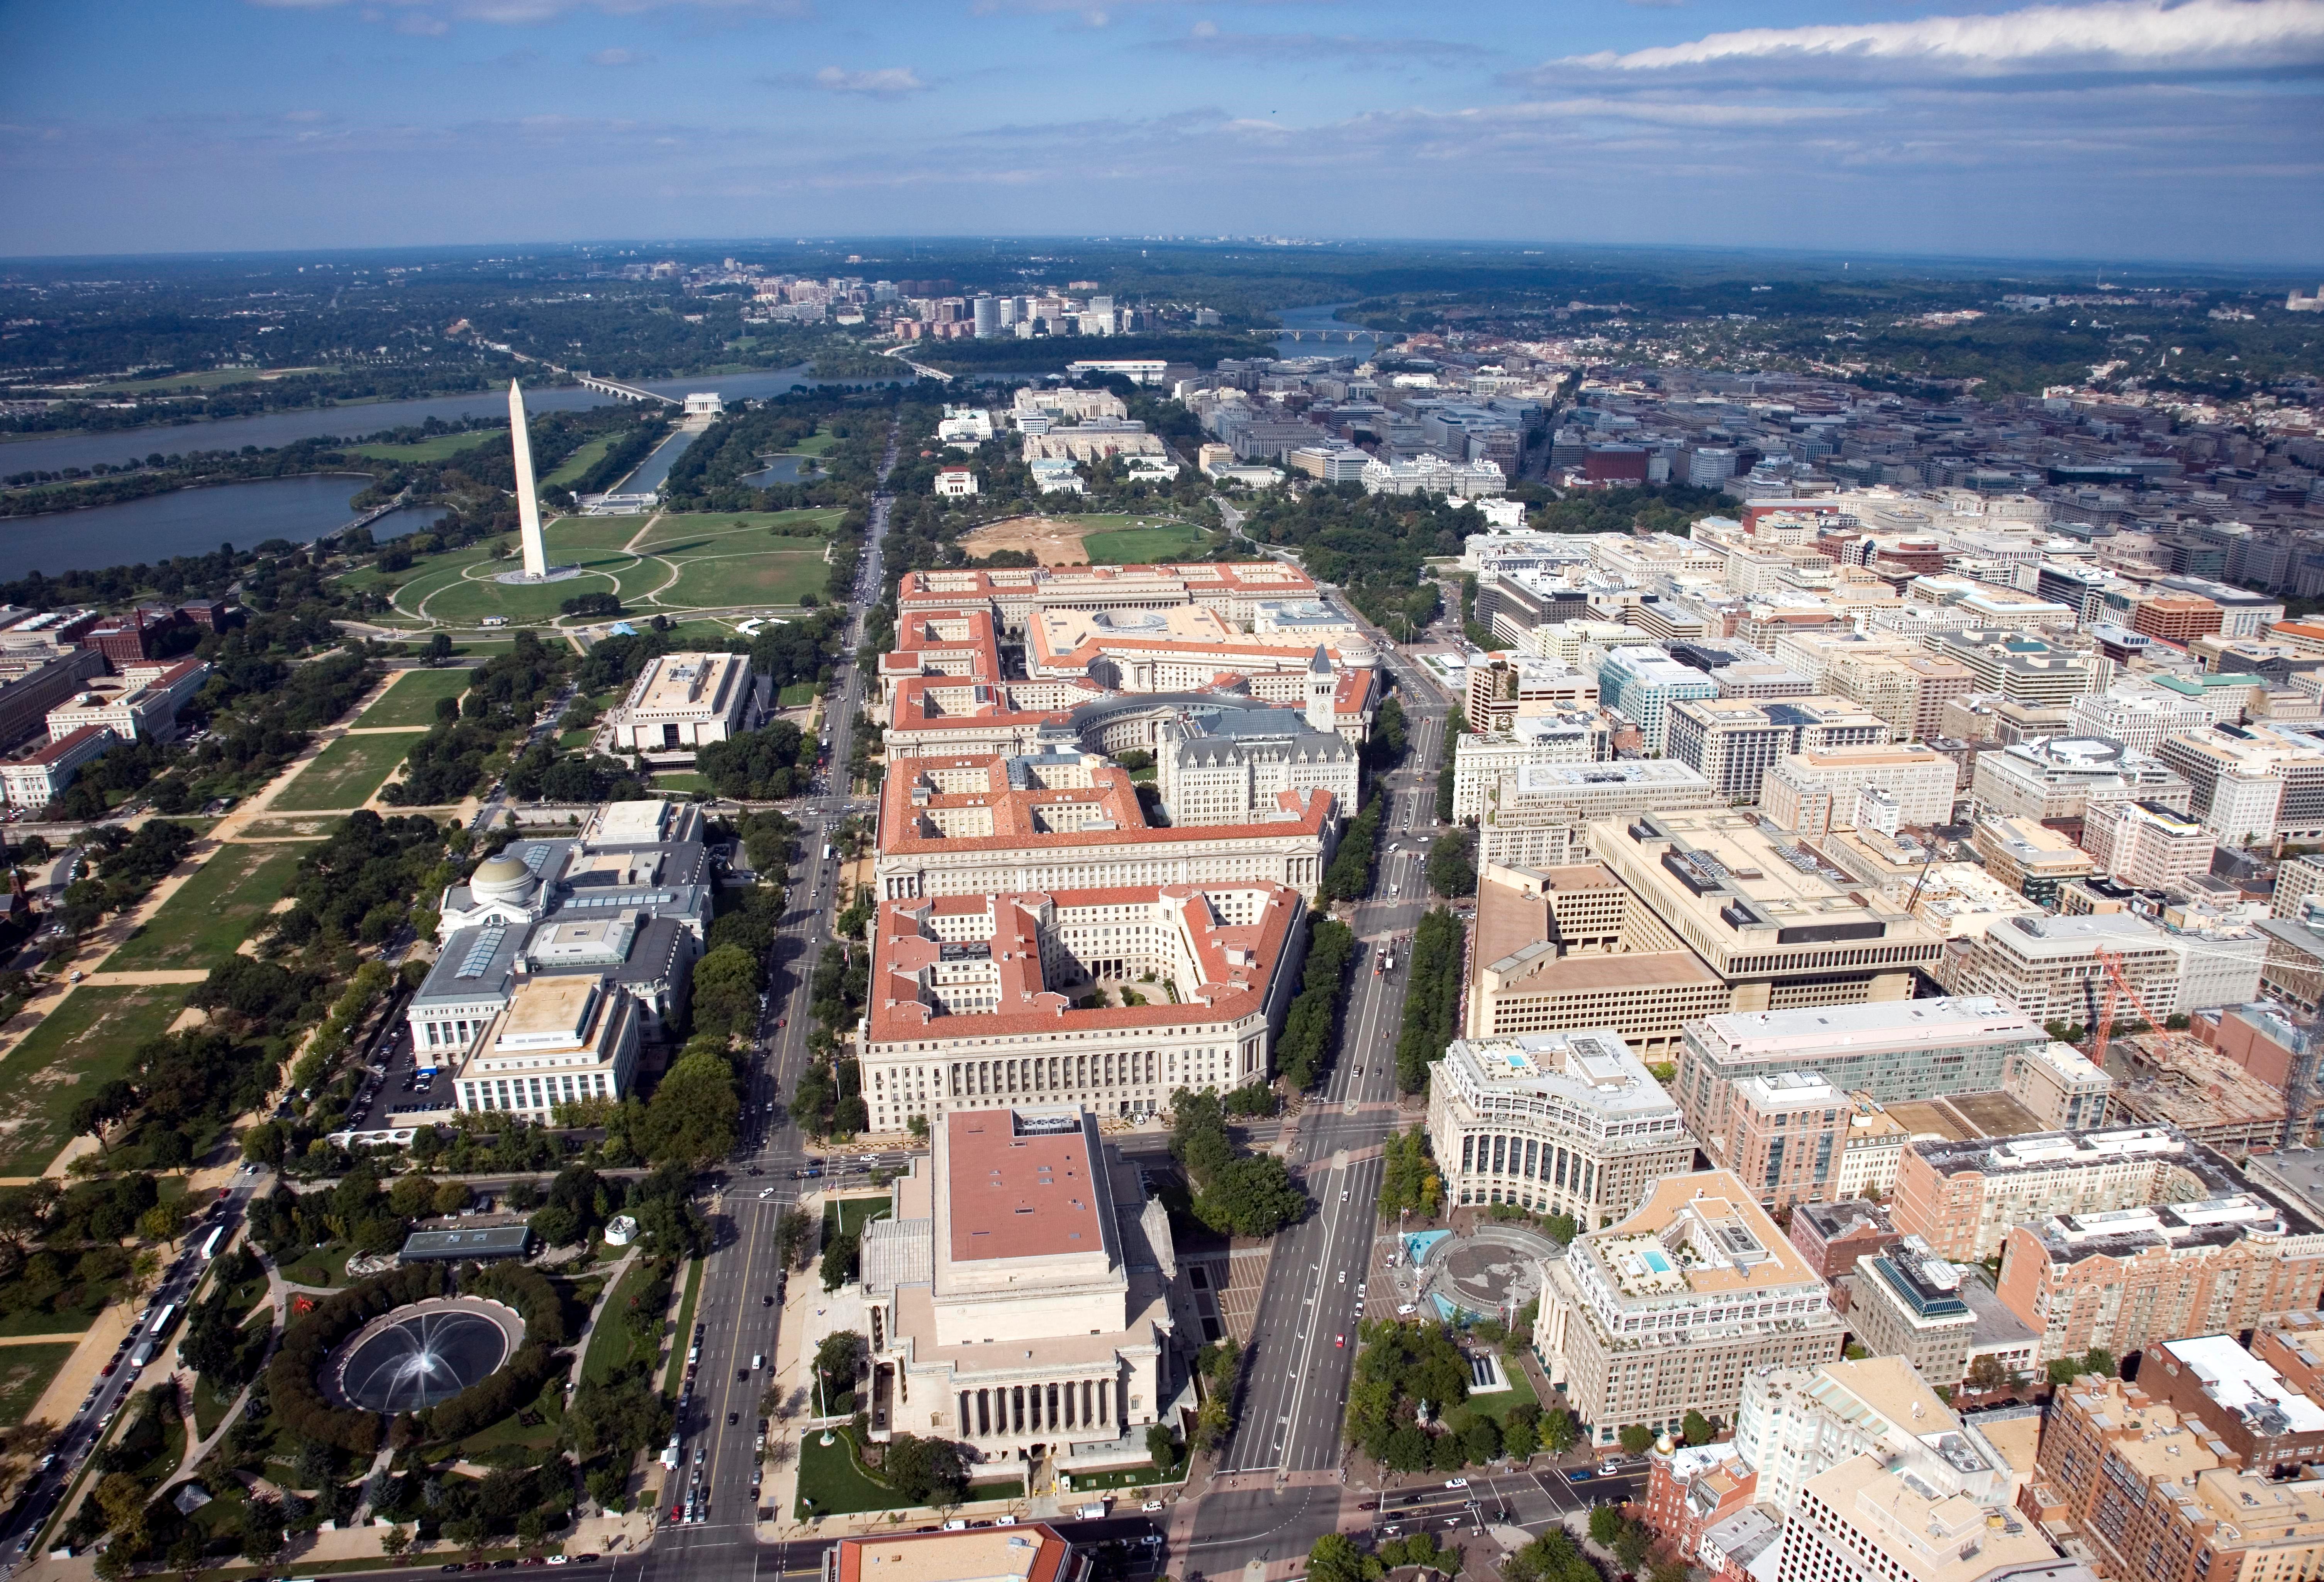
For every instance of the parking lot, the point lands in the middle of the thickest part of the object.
(390, 1098)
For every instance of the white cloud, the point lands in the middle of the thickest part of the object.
(885, 82)
(619, 57)
(2111, 37)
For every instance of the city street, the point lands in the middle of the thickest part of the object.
(740, 1269)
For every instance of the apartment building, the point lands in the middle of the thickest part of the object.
(1963, 1197)
(2145, 845)
(1778, 925)
(1909, 692)
(2060, 1087)
(2252, 783)
(1035, 997)
(1671, 1310)
(1783, 1135)
(2015, 667)
(1888, 1051)
(2127, 1278)
(1734, 742)
(1832, 1236)
(1796, 1424)
(2031, 858)
(1692, 1488)
(1535, 817)
(2051, 966)
(1556, 1123)
(1920, 779)
(979, 824)
(2156, 1493)
(1863, 1519)
(2137, 717)
(1569, 949)
(2056, 779)
(1479, 763)
(1908, 1302)
(1644, 682)
(2267, 1422)
(1508, 686)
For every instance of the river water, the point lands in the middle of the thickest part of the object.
(192, 522)
(1323, 317)
(55, 452)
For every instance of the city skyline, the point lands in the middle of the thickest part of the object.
(2118, 130)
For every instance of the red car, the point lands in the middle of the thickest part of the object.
(1340, 1341)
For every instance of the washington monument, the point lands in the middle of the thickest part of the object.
(528, 503)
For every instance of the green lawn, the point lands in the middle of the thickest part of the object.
(345, 774)
(24, 1372)
(1127, 1477)
(759, 577)
(437, 448)
(849, 1214)
(85, 1042)
(1146, 546)
(680, 531)
(714, 560)
(211, 912)
(797, 694)
(411, 700)
(211, 379)
(610, 1348)
(680, 780)
(321, 1266)
(570, 537)
(831, 1483)
(568, 471)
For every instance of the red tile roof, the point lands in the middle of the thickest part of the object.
(1016, 1197)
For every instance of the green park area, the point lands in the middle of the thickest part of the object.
(210, 379)
(437, 448)
(570, 470)
(413, 700)
(87, 1041)
(343, 775)
(24, 1372)
(1142, 541)
(212, 912)
(680, 532)
(681, 563)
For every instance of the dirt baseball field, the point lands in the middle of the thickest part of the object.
(1049, 540)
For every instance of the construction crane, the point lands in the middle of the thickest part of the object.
(2117, 989)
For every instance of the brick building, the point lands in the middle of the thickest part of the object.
(1832, 1236)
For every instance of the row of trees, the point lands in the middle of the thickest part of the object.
(1432, 1002)
(1305, 1048)
(1350, 876)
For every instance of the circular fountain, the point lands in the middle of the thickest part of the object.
(419, 1356)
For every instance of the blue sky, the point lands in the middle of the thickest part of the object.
(2116, 129)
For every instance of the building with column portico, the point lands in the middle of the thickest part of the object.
(1017, 1298)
